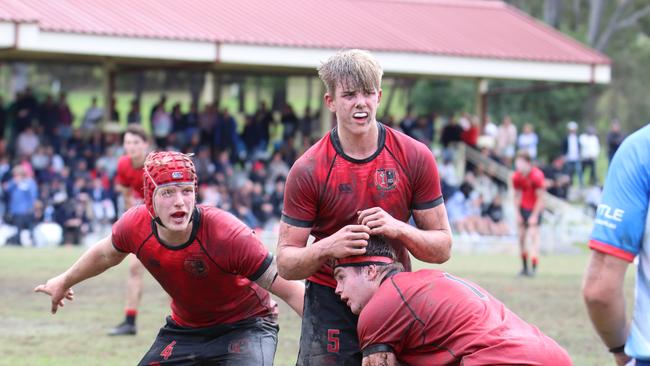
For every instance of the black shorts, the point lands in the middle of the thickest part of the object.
(525, 214)
(329, 330)
(250, 342)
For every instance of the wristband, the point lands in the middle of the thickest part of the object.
(619, 349)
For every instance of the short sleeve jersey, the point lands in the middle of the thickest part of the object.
(210, 277)
(621, 228)
(528, 184)
(129, 176)
(430, 317)
(326, 188)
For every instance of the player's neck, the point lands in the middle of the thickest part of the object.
(137, 161)
(359, 146)
(174, 238)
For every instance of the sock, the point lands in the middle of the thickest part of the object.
(130, 316)
(524, 261)
(534, 261)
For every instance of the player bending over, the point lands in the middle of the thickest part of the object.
(430, 317)
(214, 268)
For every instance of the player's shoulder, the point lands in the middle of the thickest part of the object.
(222, 222)
(123, 161)
(316, 157)
(135, 219)
(398, 139)
(537, 173)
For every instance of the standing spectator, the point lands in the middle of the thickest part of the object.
(65, 119)
(115, 115)
(506, 141)
(614, 138)
(49, 118)
(451, 133)
(620, 235)
(92, 117)
(306, 123)
(571, 151)
(225, 132)
(22, 192)
(134, 115)
(528, 140)
(528, 183)
(162, 125)
(408, 122)
(289, 121)
(3, 117)
(207, 121)
(471, 131)
(589, 151)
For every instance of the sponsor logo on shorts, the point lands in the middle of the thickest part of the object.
(167, 352)
(196, 266)
(385, 179)
(238, 346)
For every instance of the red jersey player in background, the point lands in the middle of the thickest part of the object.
(430, 317)
(528, 182)
(215, 269)
(129, 182)
(362, 178)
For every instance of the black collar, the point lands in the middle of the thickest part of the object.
(390, 274)
(381, 140)
(195, 220)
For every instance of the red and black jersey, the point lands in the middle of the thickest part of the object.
(325, 187)
(210, 277)
(129, 176)
(528, 185)
(430, 317)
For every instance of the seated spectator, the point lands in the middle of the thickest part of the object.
(558, 179)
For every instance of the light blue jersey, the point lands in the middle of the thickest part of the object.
(621, 228)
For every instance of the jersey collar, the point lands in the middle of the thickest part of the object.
(381, 140)
(196, 221)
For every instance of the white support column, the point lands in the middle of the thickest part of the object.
(482, 87)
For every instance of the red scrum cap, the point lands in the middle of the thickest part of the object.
(164, 168)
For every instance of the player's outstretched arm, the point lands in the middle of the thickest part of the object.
(93, 262)
(380, 359)
(297, 261)
(430, 241)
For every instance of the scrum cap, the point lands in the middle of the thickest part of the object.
(164, 168)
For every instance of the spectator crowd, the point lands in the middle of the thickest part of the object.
(59, 173)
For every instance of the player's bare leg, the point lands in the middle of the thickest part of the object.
(534, 247)
(133, 296)
(521, 232)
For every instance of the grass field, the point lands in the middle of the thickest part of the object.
(76, 334)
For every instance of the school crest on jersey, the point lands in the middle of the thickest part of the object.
(385, 179)
(196, 265)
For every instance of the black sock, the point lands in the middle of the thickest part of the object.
(524, 261)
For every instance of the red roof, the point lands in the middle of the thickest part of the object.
(467, 28)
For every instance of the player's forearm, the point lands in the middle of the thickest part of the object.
(431, 246)
(607, 313)
(298, 263)
(291, 292)
(93, 262)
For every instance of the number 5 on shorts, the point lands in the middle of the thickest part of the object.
(333, 340)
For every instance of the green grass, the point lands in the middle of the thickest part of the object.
(76, 334)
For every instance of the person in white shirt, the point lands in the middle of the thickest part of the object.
(571, 152)
(589, 150)
(528, 141)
